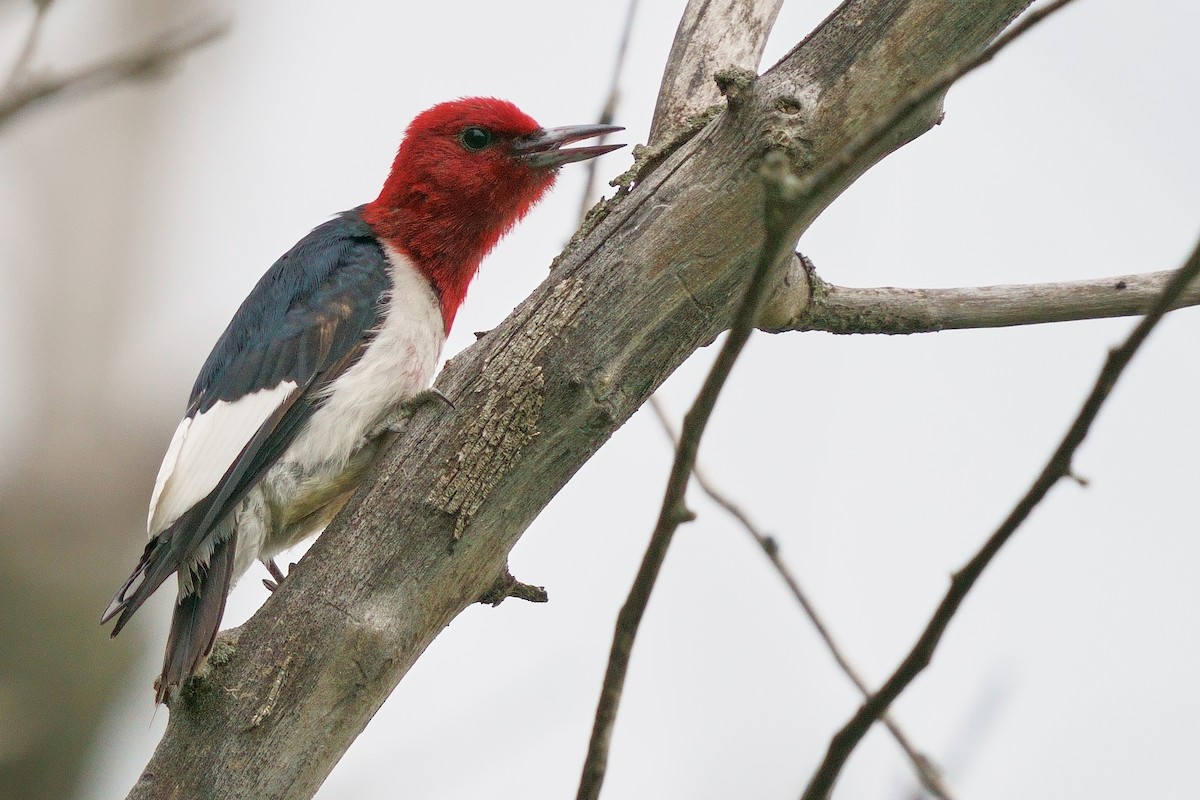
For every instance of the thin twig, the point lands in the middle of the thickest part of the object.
(609, 112)
(928, 774)
(782, 196)
(147, 60)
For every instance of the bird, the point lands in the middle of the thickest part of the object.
(337, 338)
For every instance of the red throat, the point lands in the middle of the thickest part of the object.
(445, 207)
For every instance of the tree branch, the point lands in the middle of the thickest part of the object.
(1058, 467)
(807, 303)
(535, 398)
(27, 89)
(713, 35)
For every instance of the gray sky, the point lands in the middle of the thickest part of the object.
(879, 463)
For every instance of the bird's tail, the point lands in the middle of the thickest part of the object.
(154, 567)
(203, 588)
(197, 617)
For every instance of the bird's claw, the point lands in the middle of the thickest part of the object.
(277, 575)
(424, 398)
(397, 419)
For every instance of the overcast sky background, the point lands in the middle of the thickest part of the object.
(879, 463)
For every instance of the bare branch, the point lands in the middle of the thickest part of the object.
(712, 35)
(782, 194)
(928, 774)
(1058, 467)
(807, 303)
(149, 60)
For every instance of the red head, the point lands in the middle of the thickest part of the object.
(465, 173)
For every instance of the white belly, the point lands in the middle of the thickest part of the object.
(399, 362)
(321, 464)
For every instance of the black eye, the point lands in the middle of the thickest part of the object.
(475, 139)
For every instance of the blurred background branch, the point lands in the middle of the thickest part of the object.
(28, 88)
(72, 491)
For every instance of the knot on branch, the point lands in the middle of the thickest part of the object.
(646, 158)
(734, 84)
(507, 586)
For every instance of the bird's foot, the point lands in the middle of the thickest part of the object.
(397, 419)
(277, 575)
(418, 401)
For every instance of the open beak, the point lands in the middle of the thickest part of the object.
(543, 149)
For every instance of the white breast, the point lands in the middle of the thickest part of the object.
(399, 362)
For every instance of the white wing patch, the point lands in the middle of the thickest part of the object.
(204, 448)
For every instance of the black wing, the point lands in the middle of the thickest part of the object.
(308, 319)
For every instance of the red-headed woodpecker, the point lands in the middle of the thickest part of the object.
(337, 335)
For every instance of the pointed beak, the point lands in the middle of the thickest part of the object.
(543, 149)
